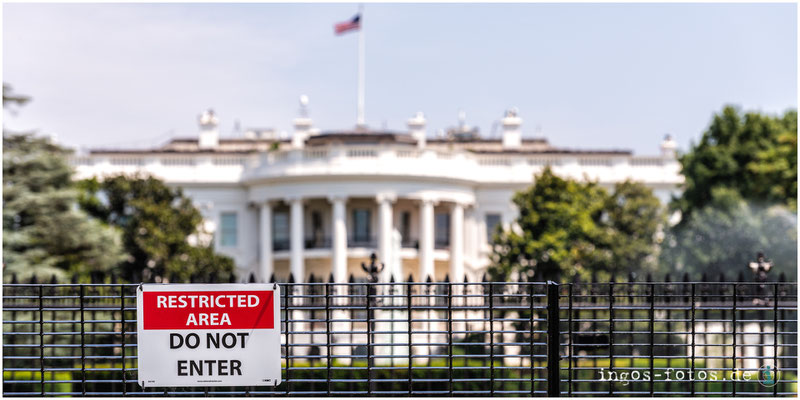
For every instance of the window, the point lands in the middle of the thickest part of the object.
(405, 225)
(228, 230)
(280, 231)
(492, 221)
(361, 231)
(317, 239)
(442, 230)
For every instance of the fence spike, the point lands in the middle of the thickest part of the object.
(668, 278)
(53, 279)
(741, 276)
(485, 277)
(782, 277)
(351, 279)
(252, 278)
(272, 278)
(466, 279)
(447, 278)
(14, 278)
(391, 279)
(74, 279)
(311, 278)
(291, 278)
(429, 280)
(704, 277)
(631, 276)
(410, 278)
(34, 280)
(649, 277)
(231, 278)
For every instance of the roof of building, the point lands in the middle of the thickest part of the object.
(361, 137)
(188, 145)
(556, 151)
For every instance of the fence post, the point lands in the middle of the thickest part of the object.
(553, 358)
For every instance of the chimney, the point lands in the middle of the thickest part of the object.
(209, 134)
(416, 127)
(668, 147)
(512, 134)
(302, 125)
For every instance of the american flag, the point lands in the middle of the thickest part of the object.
(352, 25)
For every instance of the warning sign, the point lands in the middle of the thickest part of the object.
(209, 335)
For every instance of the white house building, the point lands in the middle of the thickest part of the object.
(321, 202)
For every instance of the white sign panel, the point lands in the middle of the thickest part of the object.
(209, 335)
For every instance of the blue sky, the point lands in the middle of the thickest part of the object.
(582, 75)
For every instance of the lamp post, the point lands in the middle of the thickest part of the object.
(373, 270)
(760, 267)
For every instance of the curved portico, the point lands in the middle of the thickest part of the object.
(337, 222)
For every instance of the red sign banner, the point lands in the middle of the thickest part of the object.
(208, 310)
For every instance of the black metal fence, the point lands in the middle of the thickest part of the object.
(440, 339)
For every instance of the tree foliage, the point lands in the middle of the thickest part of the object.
(739, 197)
(567, 228)
(634, 223)
(158, 223)
(11, 99)
(726, 234)
(752, 154)
(44, 232)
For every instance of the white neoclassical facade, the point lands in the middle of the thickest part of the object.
(321, 202)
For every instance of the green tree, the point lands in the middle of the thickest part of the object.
(567, 228)
(44, 232)
(635, 219)
(726, 234)
(160, 228)
(739, 196)
(752, 154)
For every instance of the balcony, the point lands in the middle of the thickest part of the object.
(322, 242)
(362, 241)
(409, 244)
(326, 243)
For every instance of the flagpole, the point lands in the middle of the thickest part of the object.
(360, 121)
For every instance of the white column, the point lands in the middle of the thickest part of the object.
(266, 242)
(296, 240)
(470, 236)
(339, 242)
(339, 269)
(426, 240)
(457, 243)
(385, 235)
